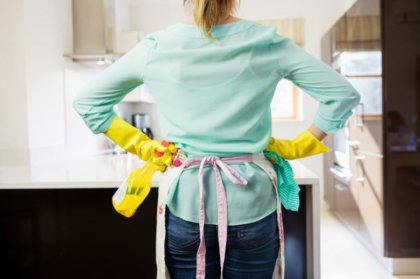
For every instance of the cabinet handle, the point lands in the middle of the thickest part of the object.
(341, 187)
(339, 174)
(362, 115)
(353, 143)
(360, 179)
(359, 157)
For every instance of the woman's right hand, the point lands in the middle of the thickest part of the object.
(134, 141)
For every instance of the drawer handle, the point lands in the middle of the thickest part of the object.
(353, 143)
(360, 179)
(339, 174)
(360, 157)
(341, 187)
(361, 114)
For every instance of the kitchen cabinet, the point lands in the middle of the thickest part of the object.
(383, 155)
(346, 198)
(369, 182)
(28, 232)
(57, 221)
(401, 48)
(359, 203)
(403, 209)
(76, 233)
(368, 133)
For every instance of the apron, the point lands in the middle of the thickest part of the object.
(173, 173)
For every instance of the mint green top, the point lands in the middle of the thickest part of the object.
(215, 99)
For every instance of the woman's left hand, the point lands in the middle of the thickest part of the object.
(304, 145)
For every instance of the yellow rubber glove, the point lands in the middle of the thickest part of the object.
(165, 158)
(134, 141)
(303, 145)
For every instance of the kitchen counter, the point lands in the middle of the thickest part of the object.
(94, 171)
(57, 220)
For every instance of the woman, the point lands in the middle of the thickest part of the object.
(213, 78)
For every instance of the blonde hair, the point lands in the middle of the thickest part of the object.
(208, 13)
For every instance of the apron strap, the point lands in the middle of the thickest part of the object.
(267, 166)
(233, 176)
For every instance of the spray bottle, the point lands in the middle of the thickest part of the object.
(135, 188)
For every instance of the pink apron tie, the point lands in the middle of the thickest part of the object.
(238, 180)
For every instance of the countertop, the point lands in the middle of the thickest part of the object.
(94, 171)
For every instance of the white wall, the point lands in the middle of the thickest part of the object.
(48, 35)
(34, 37)
(80, 138)
(13, 117)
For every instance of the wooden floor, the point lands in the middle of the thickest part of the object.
(342, 256)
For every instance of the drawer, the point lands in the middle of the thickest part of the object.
(369, 172)
(345, 204)
(368, 137)
(368, 178)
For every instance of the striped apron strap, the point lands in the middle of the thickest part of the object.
(238, 180)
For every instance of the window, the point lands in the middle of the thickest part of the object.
(286, 101)
(363, 69)
(287, 98)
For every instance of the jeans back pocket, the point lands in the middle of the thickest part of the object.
(256, 235)
(180, 233)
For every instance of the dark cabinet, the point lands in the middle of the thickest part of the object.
(94, 241)
(76, 233)
(402, 207)
(401, 60)
(28, 234)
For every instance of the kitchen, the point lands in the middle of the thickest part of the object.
(57, 178)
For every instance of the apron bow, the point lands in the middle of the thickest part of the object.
(233, 176)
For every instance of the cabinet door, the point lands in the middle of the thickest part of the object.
(346, 195)
(402, 205)
(366, 165)
(94, 240)
(346, 205)
(27, 234)
(368, 133)
(370, 184)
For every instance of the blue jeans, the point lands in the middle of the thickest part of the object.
(251, 249)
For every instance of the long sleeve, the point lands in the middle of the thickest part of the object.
(95, 101)
(336, 96)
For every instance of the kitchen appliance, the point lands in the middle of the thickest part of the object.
(101, 31)
(362, 67)
(142, 122)
(341, 153)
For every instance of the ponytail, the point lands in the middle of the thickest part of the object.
(208, 13)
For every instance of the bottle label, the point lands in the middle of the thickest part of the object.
(120, 193)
